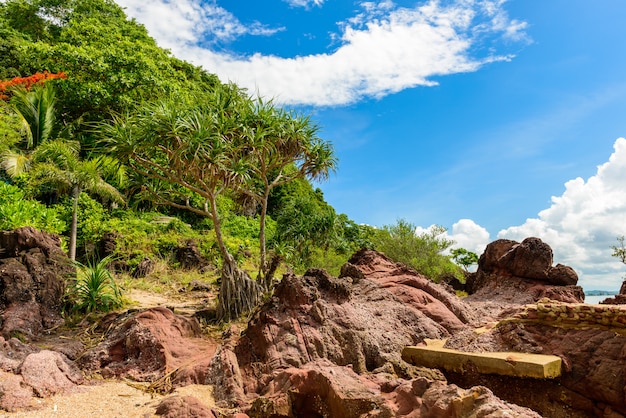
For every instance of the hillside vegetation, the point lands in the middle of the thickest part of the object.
(103, 133)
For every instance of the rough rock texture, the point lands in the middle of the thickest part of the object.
(591, 341)
(364, 324)
(190, 258)
(49, 373)
(522, 273)
(27, 372)
(619, 299)
(322, 389)
(146, 345)
(183, 407)
(326, 346)
(33, 271)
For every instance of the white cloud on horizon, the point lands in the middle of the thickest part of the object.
(383, 50)
(580, 226)
(584, 222)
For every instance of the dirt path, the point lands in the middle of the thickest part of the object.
(110, 399)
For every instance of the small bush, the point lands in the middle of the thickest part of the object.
(16, 211)
(94, 289)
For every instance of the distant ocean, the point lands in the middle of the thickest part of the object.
(596, 299)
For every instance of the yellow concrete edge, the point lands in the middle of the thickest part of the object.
(537, 366)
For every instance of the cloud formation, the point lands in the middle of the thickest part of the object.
(175, 24)
(382, 50)
(584, 222)
(580, 226)
(304, 3)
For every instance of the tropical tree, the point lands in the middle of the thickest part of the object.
(186, 149)
(35, 109)
(283, 146)
(58, 163)
(464, 258)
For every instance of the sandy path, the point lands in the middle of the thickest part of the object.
(109, 399)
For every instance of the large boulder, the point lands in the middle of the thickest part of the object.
(146, 345)
(33, 274)
(522, 273)
(363, 322)
(591, 341)
(328, 346)
(27, 372)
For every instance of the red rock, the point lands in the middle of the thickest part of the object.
(49, 373)
(14, 394)
(183, 407)
(147, 344)
(33, 270)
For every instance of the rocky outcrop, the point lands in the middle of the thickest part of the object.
(523, 273)
(591, 341)
(363, 322)
(146, 345)
(327, 346)
(619, 299)
(33, 274)
(190, 258)
(183, 407)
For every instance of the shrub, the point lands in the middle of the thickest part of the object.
(16, 211)
(423, 252)
(94, 289)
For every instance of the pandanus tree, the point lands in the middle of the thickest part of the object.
(191, 147)
(283, 146)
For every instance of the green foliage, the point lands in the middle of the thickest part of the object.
(423, 252)
(91, 215)
(94, 288)
(110, 60)
(620, 250)
(11, 127)
(464, 258)
(16, 211)
(304, 223)
(152, 235)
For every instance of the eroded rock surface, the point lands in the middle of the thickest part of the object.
(521, 273)
(27, 372)
(146, 345)
(33, 274)
(326, 346)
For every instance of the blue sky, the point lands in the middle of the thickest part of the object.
(494, 119)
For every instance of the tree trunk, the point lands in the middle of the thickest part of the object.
(74, 226)
(238, 294)
(264, 277)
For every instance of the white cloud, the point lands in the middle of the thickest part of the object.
(382, 50)
(304, 3)
(186, 22)
(469, 235)
(583, 223)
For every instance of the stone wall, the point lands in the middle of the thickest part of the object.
(575, 314)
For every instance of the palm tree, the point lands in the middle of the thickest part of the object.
(58, 163)
(282, 147)
(35, 109)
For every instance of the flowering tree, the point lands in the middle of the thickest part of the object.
(7, 86)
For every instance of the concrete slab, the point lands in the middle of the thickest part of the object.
(434, 356)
